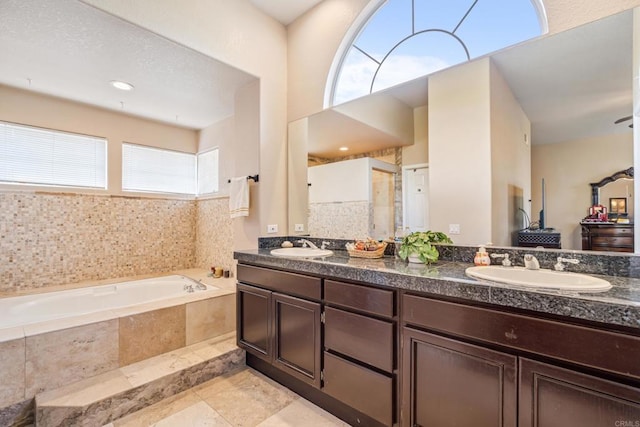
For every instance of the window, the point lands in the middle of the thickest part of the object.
(157, 170)
(208, 172)
(406, 39)
(37, 156)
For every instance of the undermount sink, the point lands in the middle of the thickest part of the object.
(541, 279)
(301, 252)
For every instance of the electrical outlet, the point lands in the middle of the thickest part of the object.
(299, 227)
(454, 228)
(272, 228)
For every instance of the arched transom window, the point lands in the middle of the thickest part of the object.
(406, 39)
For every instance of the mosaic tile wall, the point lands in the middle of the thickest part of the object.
(347, 220)
(214, 236)
(50, 239)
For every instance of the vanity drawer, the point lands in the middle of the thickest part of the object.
(563, 341)
(365, 390)
(280, 281)
(609, 241)
(612, 231)
(359, 337)
(363, 298)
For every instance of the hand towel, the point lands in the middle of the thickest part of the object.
(239, 197)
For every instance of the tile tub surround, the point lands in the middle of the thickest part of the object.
(55, 353)
(618, 307)
(214, 234)
(342, 219)
(52, 239)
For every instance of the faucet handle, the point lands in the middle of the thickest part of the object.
(506, 262)
(325, 244)
(559, 266)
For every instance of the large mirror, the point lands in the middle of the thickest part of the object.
(575, 92)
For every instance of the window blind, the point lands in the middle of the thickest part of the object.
(208, 172)
(157, 170)
(31, 155)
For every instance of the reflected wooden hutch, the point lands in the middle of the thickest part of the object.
(607, 236)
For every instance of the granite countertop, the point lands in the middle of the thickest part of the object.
(618, 306)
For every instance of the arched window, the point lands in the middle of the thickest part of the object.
(406, 39)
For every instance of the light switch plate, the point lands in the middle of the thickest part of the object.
(454, 228)
(272, 228)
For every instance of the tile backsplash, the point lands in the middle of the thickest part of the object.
(50, 239)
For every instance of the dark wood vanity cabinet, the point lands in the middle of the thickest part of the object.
(452, 383)
(360, 350)
(607, 237)
(352, 358)
(465, 365)
(281, 329)
(551, 396)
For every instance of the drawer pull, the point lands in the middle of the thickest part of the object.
(511, 335)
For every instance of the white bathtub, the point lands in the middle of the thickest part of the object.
(28, 309)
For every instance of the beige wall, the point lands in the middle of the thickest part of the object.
(567, 176)
(460, 152)
(510, 161)
(29, 108)
(418, 153)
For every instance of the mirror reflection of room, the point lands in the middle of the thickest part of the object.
(548, 129)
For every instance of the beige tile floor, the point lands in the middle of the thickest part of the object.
(243, 398)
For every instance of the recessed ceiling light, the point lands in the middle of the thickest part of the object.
(344, 148)
(121, 85)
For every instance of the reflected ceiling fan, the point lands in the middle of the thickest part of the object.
(624, 119)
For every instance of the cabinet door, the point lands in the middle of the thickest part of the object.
(551, 396)
(253, 321)
(451, 383)
(296, 325)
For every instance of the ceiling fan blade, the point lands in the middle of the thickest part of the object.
(624, 119)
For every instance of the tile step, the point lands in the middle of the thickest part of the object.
(98, 400)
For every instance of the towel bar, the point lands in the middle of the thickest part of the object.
(255, 178)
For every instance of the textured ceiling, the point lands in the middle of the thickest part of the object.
(72, 50)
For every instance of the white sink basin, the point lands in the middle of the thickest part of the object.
(542, 279)
(301, 252)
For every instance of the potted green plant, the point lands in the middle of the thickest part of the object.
(419, 246)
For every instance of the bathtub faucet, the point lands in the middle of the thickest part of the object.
(188, 288)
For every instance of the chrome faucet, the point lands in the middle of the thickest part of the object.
(325, 244)
(531, 262)
(506, 262)
(559, 266)
(306, 243)
(188, 288)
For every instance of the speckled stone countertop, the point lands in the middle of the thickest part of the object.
(618, 306)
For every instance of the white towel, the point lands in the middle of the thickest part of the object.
(239, 197)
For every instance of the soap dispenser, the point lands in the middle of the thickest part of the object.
(482, 257)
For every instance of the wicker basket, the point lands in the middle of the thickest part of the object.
(378, 253)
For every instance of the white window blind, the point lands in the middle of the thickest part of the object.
(208, 172)
(156, 170)
(31, 155)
